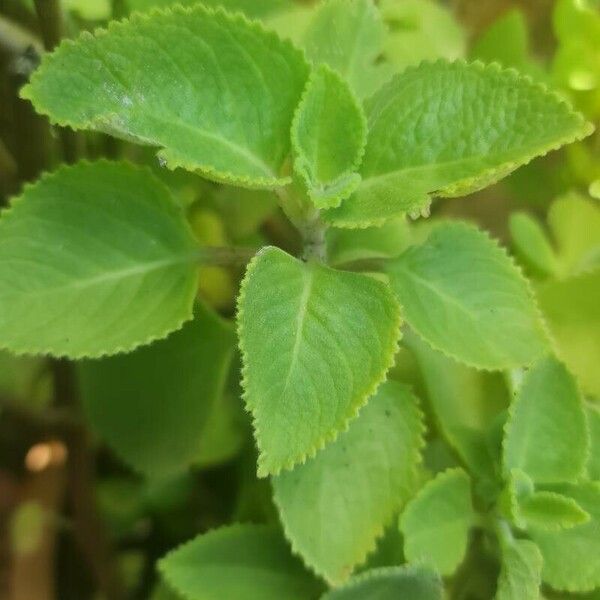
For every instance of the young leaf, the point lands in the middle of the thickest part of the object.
(551, 511)
(546, 433)
(521, 571)
(464, 296)
(215, 92)
(436, 522)
(151, 405)
(390, 583)
(347, 35)
(241, 562)
(593, 418)
(94, 259)
(572, 311)
(328, 137)
(449, 129)
(532, 244)
(315, 343)
(572, 556)
(335, 506)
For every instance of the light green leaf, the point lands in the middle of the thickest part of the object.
(551, 511)
(593, 418)
(532, 244)
(464, 296)
(347, 35)
(241, 562)
(215, 92)
(329, 132)
(572, 556)
(572, 311)
(521, 571)
(151, 405)
(449, 129)
(94, 259)
(436, 522)
(254, 9)
(519, 487)
(316, 343)
(336, 505)
(546, 433)
(390, 583)
(464, 403)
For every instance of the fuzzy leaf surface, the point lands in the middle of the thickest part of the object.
(546, 433)
(328, 137)
(241, 562)
(152, 405)
(316, 343)
(94, 259)
(593, 418)
(436, 522)
(390, 583)
(449, 129)
(216, 93)
(521, 571)
(572, 556)
(335, 506)
(463, 295)
(551, 511)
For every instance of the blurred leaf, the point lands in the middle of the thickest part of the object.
(593, 418)
(521, 572)
(27, 525)
(532, 244)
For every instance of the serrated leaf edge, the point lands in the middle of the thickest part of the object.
(564, 523)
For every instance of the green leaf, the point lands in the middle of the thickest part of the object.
(316, 343)
(347, 35)
(215, 92)
(436, 522)
(336, 505)
(254, 9)
(329, 132)
(572, 311)
(546, 433)
(151, 405)
(593, 418)
(532, 244)
(390, 583)
(465, 297)
(240, 562)
(521, 571)
(449, 129)
(572, 556)
(94, 259)
(551, 511)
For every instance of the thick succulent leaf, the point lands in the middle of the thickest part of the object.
(315, 343)
(390, 583)
(152, 405)
(347, 35)
(329, 132)
(436, 522)
(215, 92)
(551, 511)
(464, 403)
(572, 556)
(241, 562)
(94, 259)
(336, 505)
(521, 572)
(449, 129)
(572, 311)
(464, 296)
(593, 418)
(546, 433)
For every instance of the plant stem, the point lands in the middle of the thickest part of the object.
(14, 40)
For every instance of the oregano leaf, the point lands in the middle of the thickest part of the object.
(316, 343)
(436, 522)
(449, 129)
(521, 571)
(551, 511)
(348, 36)
(390, 583)
(95, 259)
(532, 244)
(593, 419)
(572, 556)
(215, 92)
(239, 562)
(152, 405)
(335, 506)
(546, 432)
(464, 296)
(328, 137)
